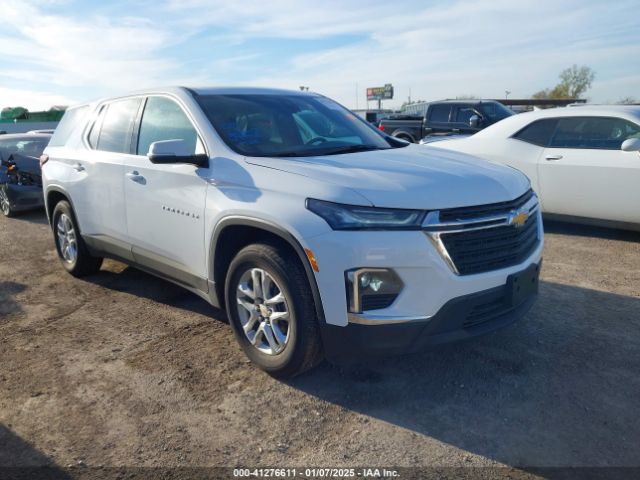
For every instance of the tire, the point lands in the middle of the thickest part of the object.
(300, 346)
(406, 138)
(5, 205)
(72, 250)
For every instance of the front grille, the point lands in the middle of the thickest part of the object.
(490, 210)
(487, 249)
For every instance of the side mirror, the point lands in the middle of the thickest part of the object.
(631, 145)
(174, 151)
(474, 121)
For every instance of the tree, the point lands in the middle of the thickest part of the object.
(574, 81)
(628, 101)
(11, 113)
(542, 94)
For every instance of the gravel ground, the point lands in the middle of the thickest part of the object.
(123, 369)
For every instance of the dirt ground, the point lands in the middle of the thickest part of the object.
(123, 369)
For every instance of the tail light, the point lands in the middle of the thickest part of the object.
(44, 158)
(381, 127)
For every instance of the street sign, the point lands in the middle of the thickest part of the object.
(380, 93)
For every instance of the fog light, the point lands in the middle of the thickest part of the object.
(371, 288)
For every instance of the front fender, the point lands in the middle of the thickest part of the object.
(292, 241)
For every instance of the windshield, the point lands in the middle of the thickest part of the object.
(495, 110)
(27, 145)
(289, 125)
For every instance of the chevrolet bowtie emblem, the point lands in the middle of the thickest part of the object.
(519, 218)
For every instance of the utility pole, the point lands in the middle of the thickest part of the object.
(356, 95)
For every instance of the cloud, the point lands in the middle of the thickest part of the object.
(34, 100)
(434, 49)
(480, 48)
(97, 50)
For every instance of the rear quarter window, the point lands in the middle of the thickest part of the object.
(70, 120)
(538, 133)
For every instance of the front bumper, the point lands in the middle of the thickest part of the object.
(429, 282)
(24, 197)
(461, 318)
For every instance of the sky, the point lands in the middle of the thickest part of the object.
(61, 52)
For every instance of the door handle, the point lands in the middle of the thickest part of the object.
(135, 176)
(552, 158)
(78, 167)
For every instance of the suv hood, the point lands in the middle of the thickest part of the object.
(415, 176)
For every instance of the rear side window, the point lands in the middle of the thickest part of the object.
(163, 119)
(439, 113)
(70, 120)
(538, 133)
(117, 125)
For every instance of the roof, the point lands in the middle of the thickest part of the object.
(182, 90)
(248, 91)
(587, 110)
(465, 100)
(516, 122)
(24, 136)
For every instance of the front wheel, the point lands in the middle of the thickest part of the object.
(271, 310)
(72, 251)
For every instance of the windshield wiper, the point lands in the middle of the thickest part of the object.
(353, 149)
(321, 152)
(292, 154)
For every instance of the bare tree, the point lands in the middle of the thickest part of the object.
(574, 81)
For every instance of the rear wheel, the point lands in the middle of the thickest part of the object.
(72, 251)
(5, 204)
(406, 138)
(271, 310)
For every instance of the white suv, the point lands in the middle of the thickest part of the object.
(319, 235)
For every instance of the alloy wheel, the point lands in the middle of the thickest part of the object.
(263, 310)
(67, 241)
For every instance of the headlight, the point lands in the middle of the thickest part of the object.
(353, 217)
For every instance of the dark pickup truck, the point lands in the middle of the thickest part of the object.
(448, 117)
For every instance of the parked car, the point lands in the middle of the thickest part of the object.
(582, 161)
(449, 117)
(20, 177)
(320, 236)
